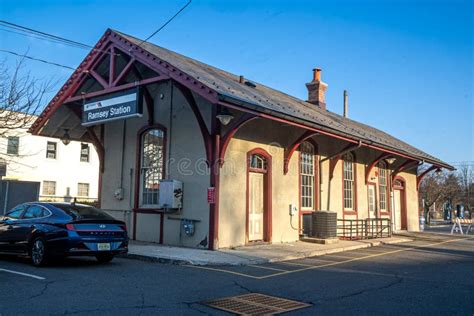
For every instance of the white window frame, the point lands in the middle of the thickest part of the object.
(45, 186)
(383, 185)
(83, 185)
(349, 184)
(149, 198)
(307, 176)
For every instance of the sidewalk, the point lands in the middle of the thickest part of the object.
(248, 254)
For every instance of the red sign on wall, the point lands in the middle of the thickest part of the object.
(211, 195)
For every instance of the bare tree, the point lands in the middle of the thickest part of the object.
(21, 97)
(439, 188)
(466, 180)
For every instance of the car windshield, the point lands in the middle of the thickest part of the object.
(83, 211)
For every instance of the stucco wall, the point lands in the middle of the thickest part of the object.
(184, 161)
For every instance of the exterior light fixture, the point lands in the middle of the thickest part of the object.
(391, 160)
(224, 116)
(66, 139)
(438, 171)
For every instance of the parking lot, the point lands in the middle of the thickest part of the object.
(431, 275)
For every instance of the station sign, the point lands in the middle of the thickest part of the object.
(116, 106)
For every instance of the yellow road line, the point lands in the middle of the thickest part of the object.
(355, 259)
(329, 264)
(295, 264)
(267, 268)
(222, 270)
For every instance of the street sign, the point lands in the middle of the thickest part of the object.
(211, 195)
(120, 105)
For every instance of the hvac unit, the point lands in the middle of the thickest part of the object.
(171, 194)
(324, 224)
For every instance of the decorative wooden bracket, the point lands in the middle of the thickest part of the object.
(403, 167)
(371, 166)
(225, 140)
(206, 135)
(292, 148)
(333, 159)
(99, 147)
(420, 177)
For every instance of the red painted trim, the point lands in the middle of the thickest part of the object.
(101, 174)
(403, 202)
(291, 149)
(117, 88)
(334, 135)
(124, 72)
(225, 140)
(112, 65)
(354, 167)
(407, 165)
(109, 39)
(371, 166)
(267, 216)
(336, 157)
(99, 79)
(138, 154)
(420, 177)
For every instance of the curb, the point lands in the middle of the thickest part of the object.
(173, 261)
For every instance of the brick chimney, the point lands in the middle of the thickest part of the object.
(317, 90)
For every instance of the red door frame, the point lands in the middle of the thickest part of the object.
(403, 202)
(267, 192)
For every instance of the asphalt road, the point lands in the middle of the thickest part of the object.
(433, 275)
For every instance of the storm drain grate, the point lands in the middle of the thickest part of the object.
(255, 304)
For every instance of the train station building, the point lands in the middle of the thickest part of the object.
(194, 156)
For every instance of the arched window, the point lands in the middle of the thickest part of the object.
(383, 186)
(258, 163)
(151, 168)
(307, 175)
(349, 182)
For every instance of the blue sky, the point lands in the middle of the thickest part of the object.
(408, 65)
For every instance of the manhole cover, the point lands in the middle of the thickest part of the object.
(255, 304)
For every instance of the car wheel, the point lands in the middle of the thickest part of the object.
(105, 257)
(38, 252)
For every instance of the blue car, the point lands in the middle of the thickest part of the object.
(42, 231)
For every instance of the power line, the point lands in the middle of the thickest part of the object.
(36, 59)
(26, 31)
(165, 24)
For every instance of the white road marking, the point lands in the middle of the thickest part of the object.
(23, 274)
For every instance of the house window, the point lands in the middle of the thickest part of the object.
(83, 189)
(84, 152)
(349, 182)
(13, 145)
(51, 150)
(49, 187)
(151, 170)
(307, 175)
(383, 186)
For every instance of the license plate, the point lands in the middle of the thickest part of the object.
(103, 247)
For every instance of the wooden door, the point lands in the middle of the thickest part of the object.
(256, 206)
